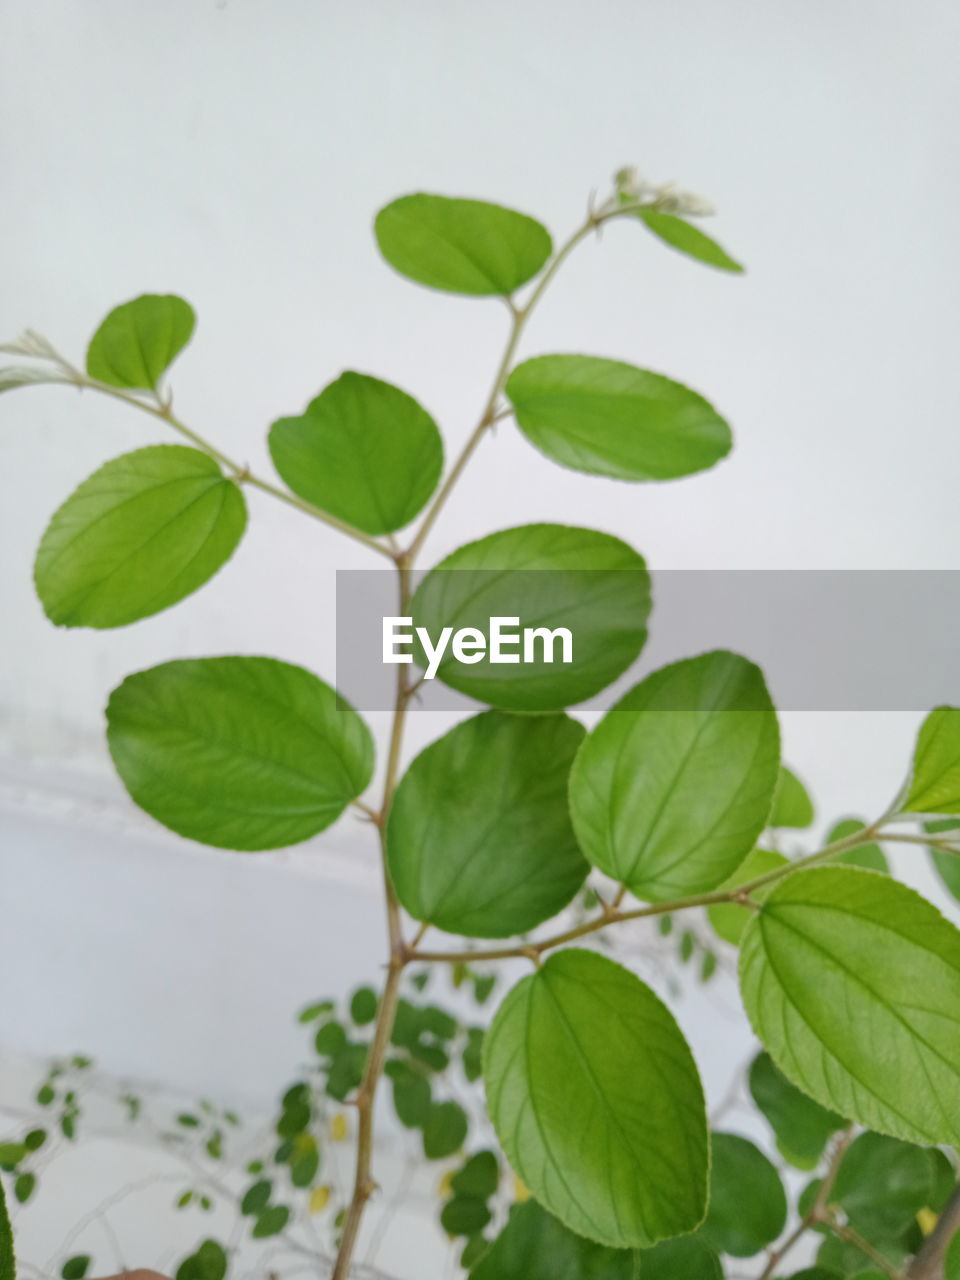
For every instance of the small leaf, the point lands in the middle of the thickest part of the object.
(464, 1216)
(840, 963)
(138, 535)
(935, 783)
(536, 1246)
(319, 1199)
(363, 1006)
(461, 246)
(748, 1206)
(673, 786)
(305, 1168)
(480, 1176)
(330, 1039)
(139, 340)
(688, 239)
(208, 1263)
(35, 1139)
(868, 856)
(8, 1266)
(11, 1153)
(271, 1222)
(240, 753)
(882, 1185)
(314, 1011)
(444, 1131)
(256, 1198)
(363, 450)
(24, 1186)
(596, 1101)
(479, 840)
(792, 806)
(411, 1094)
(802, 1126)
(729, 919)
(608, 418)
(546, 576)
(75, 1268)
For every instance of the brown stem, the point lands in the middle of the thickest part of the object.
(816, 1212)
(928, 1263)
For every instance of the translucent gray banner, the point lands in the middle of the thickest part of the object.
(827, 640)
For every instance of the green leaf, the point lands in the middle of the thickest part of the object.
(792, 806)
(138, 535)
(75, 1268)
(946, 864)
(8, 1266)
(535, 1246)
(363, 450)
(139, 340)
(256, 1198)
(479, 840)
(271, 1222)
(673, 786)
(12, 1153)
(35, 1139)
(816, 1273)
(951, 1263)
(546, 576)
(304, 1168)
(597, 1103)
(882, 1185)
(24, 1187)
(330, 1039)
(802, 1126)
(480, 1176)
(461, 246)
(314, 1011)
(444, 1131)
(688, 239)
(240, 753)
(687, 1258)
(411, 1094)
(748, 1206)
(363, 1006)
(935, 782)
(208, 1263)
(729, 919)
(852, 982)
(464, 1216)
(611, 419)
(868, 856)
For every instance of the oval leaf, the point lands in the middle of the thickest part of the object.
(461, 246)
(802, 1127)
(542, 576)
(240, 753)
(139, 340)
(364, 451)
(882, 1185)
(852, 982)
(596, 1101)
(869, 856)
(479, 840)
(688, 239)
(935, 784)
(138, 535)
(748, 1206)
(792, 806)
(673, 786)
(612, 419)
(535, 1246)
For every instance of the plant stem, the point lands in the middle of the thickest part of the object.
(816, 1212)
(928, 1263)
(612, 915)
(240, 473)
(876, 1257)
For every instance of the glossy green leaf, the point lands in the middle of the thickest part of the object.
(882, 1185)
(673, 786)
(688, 239)
(611, 419)
(24, 1186)
(139, 340)
(479, 840)
(546, 576)
(868, 856)
(729, 919)
(76, 1268)
(597, 1103)
(461, 246)
(444, 1130)
(8, 1266)
(802, 1127)
(241, 753)
(138, 535)
(209, 1262)
(536, 1246)
(363, 450)
(480, 1176)
(748, 1205)
(935, 782)
(852, 982)
(464, 1216)
(792, 806)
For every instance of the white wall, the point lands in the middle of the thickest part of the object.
(236, 153)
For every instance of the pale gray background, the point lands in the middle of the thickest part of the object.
(236, 153)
